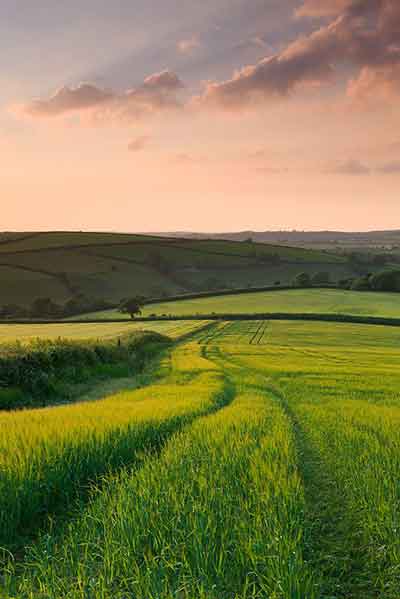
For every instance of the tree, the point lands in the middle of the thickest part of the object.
(321, 278)
(346, 283)
(131, 306)
(387, 280)
(13, 311)
(361, 284)
(80, 304)
(44, 307)
(303, 279)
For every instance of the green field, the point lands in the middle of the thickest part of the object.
(262, 463)
(25, 333)
(319, 301)
(108, 266)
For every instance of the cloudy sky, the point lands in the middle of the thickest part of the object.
(219, 115)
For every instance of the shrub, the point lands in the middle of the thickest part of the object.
(387, 280)
(303, 279)
(345, 283)
(41, 373)
(361, 284)
(321, 278)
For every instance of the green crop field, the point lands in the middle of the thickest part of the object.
(107, 266)
(261, 462)
(319, 301)
(25, 333)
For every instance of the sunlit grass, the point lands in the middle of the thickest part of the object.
(290, 492)
(47, 454)
(26, 333)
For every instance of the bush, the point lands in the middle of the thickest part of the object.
(303, 279)
(387, 280)
(361, 284)
(345, 283)
(42, 373)
(321, 278)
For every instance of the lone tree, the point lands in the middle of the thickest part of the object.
(131, 306)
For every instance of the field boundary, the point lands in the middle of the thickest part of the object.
(340, 318)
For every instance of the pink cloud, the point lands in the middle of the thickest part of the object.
(348, 167)
(157, 93)
(324, 8)
(365, 34)
(68, 99)
(391, 168)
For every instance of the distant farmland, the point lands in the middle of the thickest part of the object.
(62, 265)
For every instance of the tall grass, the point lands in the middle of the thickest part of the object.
(290, 492)
(340, 387)
(48, 456)
(217, 516)
(359, 448)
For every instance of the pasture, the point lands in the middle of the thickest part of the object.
(319, 301)
(262, 462)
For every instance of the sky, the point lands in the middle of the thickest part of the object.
(219, 115)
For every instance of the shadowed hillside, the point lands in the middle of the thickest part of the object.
(62, 265)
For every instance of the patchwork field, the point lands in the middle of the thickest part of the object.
(107, 266)
(320, 301)
(261, 462)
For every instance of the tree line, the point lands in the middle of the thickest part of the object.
(386, 280)
(46, 307)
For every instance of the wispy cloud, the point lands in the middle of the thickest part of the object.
(391, 168)
(348, 167)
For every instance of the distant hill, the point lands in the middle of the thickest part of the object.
(110, 266)
(387, 240)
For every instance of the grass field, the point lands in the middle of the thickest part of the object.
(263, 463)
(320, 301)
(108, 266)
(25, 333)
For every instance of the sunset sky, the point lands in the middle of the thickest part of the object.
(212, 115)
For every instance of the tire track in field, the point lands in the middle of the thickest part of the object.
(262, 334)
(254, 337)
(332, 545)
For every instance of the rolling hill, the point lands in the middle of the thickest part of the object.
(331, 240)
(110, 266)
